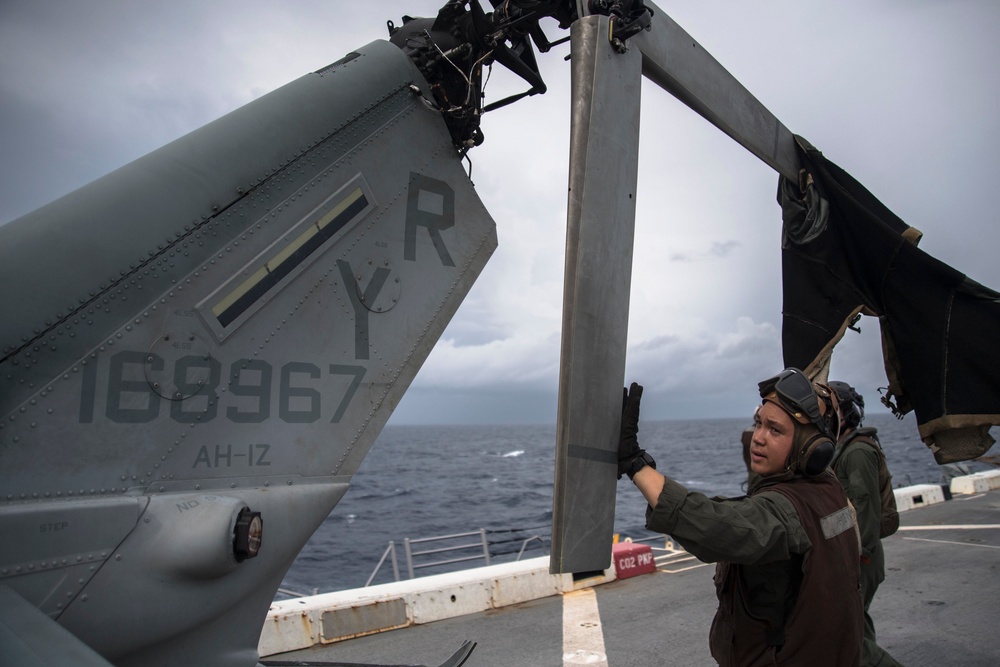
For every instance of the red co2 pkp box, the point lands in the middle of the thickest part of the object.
(632, 559)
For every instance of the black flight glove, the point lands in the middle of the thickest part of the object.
(631, 459)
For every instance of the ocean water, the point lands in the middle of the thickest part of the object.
(428, 481)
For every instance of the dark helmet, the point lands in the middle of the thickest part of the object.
(852, 405)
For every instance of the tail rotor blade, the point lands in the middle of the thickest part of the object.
(604, 149)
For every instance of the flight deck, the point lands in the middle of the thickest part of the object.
(936, 607)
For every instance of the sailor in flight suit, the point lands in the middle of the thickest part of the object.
(787, 553)
(860, 466)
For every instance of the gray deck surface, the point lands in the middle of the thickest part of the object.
(937, 607)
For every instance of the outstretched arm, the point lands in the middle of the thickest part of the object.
(650, 484)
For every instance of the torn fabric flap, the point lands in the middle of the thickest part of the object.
(939, 328)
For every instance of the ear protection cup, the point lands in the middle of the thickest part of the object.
(816, 454)
(745, 439)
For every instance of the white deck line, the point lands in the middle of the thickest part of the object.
(583, 634)
(961, 544)
(954, 526)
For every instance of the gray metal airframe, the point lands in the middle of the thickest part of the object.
(226, 323)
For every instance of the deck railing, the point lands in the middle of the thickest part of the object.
(448, 550)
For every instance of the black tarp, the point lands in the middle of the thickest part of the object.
(845, 254)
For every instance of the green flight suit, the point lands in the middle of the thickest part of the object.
(857, 469)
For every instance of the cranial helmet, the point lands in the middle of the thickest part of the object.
(812, 408)
(852, 404)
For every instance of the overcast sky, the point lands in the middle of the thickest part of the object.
(903, 94)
